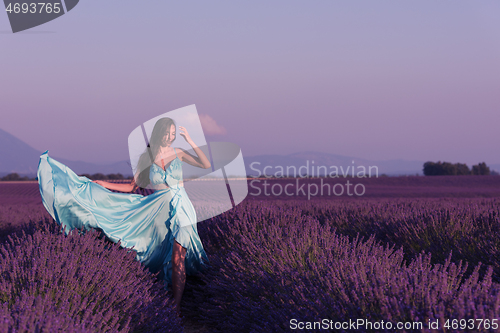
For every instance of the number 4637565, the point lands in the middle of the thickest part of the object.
(34, 8)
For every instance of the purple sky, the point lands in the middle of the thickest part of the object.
(413, 80)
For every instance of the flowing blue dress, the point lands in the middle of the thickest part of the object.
(148, 224)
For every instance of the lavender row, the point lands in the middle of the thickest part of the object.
(274, 262)
(469, 228)
(14, 216)
(78, 283)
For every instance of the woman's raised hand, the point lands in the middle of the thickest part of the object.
(185, 134)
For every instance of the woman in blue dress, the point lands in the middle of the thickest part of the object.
(160, 227)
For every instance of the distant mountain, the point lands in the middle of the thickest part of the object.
(17, 156)
(495, 167)
(311, 162)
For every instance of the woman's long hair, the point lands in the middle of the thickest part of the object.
(162, 127)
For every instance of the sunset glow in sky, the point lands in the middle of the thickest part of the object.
(414, 80)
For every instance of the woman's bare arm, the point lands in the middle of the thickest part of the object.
(118, 187)
(200, 161)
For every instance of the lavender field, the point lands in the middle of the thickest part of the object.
(410, 250)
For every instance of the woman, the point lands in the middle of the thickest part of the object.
(160, 227)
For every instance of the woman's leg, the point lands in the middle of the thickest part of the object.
(178, 273)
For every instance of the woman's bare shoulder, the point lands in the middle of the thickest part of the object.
(180, 151)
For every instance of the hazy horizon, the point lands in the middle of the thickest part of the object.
(357, 159)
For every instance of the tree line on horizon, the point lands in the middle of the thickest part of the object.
(97, 176)
(456, 169)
